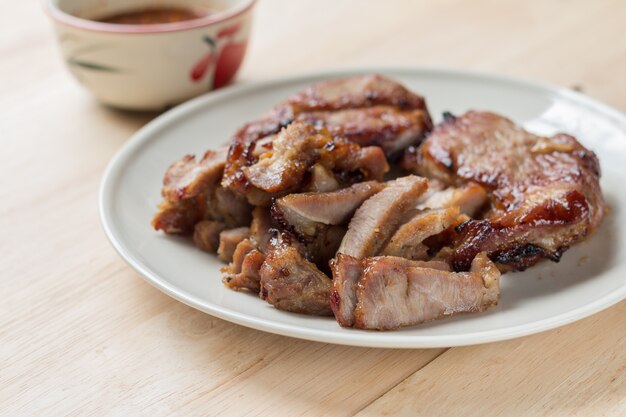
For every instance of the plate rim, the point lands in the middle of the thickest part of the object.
(357, 338)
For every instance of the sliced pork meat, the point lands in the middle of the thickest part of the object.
(470, 198)
(347, 271)
(229, 239)
(243, 271)
(390, 297)
(192, 193)
(378, 217)
(306, 212)
(289, 282)
(360, 92)
(206, 235)
(283, 167)
(185, 185)
(544, 191)
(408, 240)
(189, 178)
(295, 151)
(385, 293)
(178, 217)
(391, 128)
(248, 278)
(366, 110)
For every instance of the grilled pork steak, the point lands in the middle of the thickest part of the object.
(380, 215)
(361, 92)
(366, 110)
(544, 191)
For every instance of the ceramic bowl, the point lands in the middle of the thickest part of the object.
(151, 67)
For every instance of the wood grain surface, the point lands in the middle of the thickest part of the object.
(82, 334)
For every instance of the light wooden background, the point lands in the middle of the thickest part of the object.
(82, 334)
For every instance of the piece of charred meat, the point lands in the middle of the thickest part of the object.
(366, 110)
(286, 167)
(306, 213)
(290, 282)
(192, 193)
(384, 293)
(229, 239)
(391, 128)
(380, 215)
(249, 254)
(361, 92)
(544, 191)
(243, 271)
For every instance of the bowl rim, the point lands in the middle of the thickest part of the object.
(61, 16)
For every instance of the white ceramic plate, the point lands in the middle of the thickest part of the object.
(590, 277)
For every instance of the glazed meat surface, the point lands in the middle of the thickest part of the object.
(391, 128)
(545, 192)
(295, 150)
(192, 193)
(360, 92)
(307, 192)
(364, 110)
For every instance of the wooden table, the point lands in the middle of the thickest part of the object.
(83, 334)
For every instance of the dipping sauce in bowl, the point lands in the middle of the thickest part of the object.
(151, 55)
(154, 16)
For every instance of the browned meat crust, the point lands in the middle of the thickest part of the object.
(191, 193)
(390, 128)
(295, 150)
(359, 92)
(544, 191)
(289, 282)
